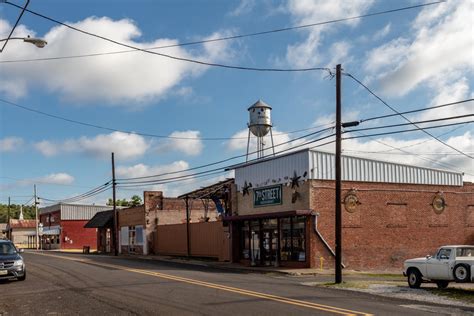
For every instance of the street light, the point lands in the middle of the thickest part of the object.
(38, 42)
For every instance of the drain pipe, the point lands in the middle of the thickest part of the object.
(315, 216)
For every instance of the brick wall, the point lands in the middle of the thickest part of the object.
(78, 235)
(393, 222)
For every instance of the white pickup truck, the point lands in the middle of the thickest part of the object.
(450, 264)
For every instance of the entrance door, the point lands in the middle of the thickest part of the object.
(270, 246)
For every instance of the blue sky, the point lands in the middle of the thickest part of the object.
(412, 59)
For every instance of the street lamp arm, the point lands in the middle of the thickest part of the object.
(38, 42)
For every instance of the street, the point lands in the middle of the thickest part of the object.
(59, 283)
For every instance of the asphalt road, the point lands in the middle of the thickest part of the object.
(60, 284)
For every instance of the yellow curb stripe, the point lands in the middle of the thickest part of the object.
(276, 298)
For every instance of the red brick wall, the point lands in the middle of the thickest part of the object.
(393, 222)
(50, 219)
(79, 235)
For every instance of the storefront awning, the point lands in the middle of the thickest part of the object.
(104, 219)
(269, 215)
(51, 231)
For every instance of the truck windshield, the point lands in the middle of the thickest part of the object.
(465, 252)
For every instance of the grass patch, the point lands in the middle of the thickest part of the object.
(464, 295)
(384, 275)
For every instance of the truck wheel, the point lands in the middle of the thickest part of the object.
(414, 279)
(461, 273)
(442, 284)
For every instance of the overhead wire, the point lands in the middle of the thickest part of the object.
(184, 59)
(227, 159)
(111, 129)
(403, 116)
(232, 37)
(417, 110)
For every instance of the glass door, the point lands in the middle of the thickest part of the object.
(270, 245)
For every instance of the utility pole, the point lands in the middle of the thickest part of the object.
(8, 220)
(338, 267)
(36, 215)
(115, 231)
(188, 248)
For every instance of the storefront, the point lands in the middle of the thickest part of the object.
(272, 239)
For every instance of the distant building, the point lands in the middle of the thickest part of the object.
(63, 226)
(3, 230)
(22, 232)
(138, 224)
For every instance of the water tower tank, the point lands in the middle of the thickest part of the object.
(260, 119)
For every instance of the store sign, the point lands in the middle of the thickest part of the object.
(267, 196)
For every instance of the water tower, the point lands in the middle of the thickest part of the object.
(259, 125)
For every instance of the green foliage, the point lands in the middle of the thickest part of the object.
(134, 201)
(28, 212)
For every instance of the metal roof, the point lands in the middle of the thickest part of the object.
(214, 190)
(319, 165)
(74, 211)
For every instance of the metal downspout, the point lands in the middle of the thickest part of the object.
(328, 247)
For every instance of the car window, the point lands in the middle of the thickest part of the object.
(443, 253)
(7, 249)
(465, 252)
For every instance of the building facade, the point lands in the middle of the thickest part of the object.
(63, 226)
(22, 232)
(284, 211)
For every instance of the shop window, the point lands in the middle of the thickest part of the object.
(245, 240)
(293, 238)
(255, 240)
(299, 240)
(139, 235)
(131, 238)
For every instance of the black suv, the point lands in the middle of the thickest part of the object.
(11, 263)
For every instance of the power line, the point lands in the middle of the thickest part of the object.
(417, 110)
(406, 130)
(448, 165)
(428, 140)
(221, 38)
(394, 110)
(90, 193)
(189, 60)
(224, 160)
(111, 129)
(16, 24)
(413, 123)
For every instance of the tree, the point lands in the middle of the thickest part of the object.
(28, 212)
(134, 201)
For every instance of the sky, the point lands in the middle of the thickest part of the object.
(129, 99)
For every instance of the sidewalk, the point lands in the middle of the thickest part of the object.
(236, 266)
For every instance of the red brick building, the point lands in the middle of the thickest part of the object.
(63, 226)
(138, 225)
(283, 211)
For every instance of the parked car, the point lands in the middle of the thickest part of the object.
(11, 262)
(449, 264)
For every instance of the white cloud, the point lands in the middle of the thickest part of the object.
(306, 53)
(281, 140)
(442, 43)
(244, 7)
(142, 170)
(125, 146)
(191, 147)
(121, 79)
(425, 152)
(60, 178)
(9, 144)
(382, 32)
